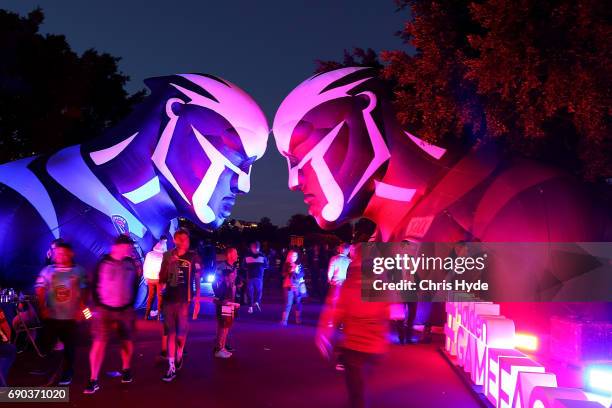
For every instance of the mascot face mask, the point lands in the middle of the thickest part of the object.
(213, 134)
(326, 128)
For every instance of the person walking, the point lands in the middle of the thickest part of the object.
(229, 265)
(255, 263)
(114, 287)
(293, 278)
(151, 267)
(365, 332)
(180, 271)
(60, 291)
(225, 302)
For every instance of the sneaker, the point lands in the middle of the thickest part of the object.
(65, 380)
(170, 375)
(258, 306)
(126, 376)
(229, 348)
(223, 354)
(179, 364)
(339, 367)
(283, 322)
(92, 387)
(250, 310)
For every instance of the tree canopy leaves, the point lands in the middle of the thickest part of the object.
(50, 96)
(531, 74)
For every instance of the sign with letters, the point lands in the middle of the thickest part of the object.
(482, 342)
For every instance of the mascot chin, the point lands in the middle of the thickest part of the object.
(186, 151)
(349, 156)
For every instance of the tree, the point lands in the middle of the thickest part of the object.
(50, 97)
(358, 57)
(530, 74)
(301, 224)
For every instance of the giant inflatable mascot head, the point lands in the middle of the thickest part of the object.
(186, 151)
(334, 129)
(211, 134)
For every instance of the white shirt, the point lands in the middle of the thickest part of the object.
(152, 265)
(338, 265)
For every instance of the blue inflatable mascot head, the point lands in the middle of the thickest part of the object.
(186, 151)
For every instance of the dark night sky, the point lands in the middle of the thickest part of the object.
(266, 47)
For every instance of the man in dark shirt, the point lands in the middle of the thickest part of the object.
(180, 268)
(255, 263)
(227, 267)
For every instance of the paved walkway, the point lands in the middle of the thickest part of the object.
(273, 367)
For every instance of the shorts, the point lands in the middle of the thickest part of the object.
(224, 321)
(175, 318)
(104, 322)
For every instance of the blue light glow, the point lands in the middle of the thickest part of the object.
(599, 379)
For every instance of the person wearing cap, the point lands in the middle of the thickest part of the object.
(114, 287)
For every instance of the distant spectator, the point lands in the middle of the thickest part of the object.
(225, 302)
(151, 267)
(338, 265)
(293, 277)
(230, 263)
(255, 263)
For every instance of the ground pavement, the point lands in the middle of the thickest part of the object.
(273, 366)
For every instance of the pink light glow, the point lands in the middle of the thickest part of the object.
(432, 150)
(393, 192)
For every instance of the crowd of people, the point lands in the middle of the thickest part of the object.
(65, 292)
